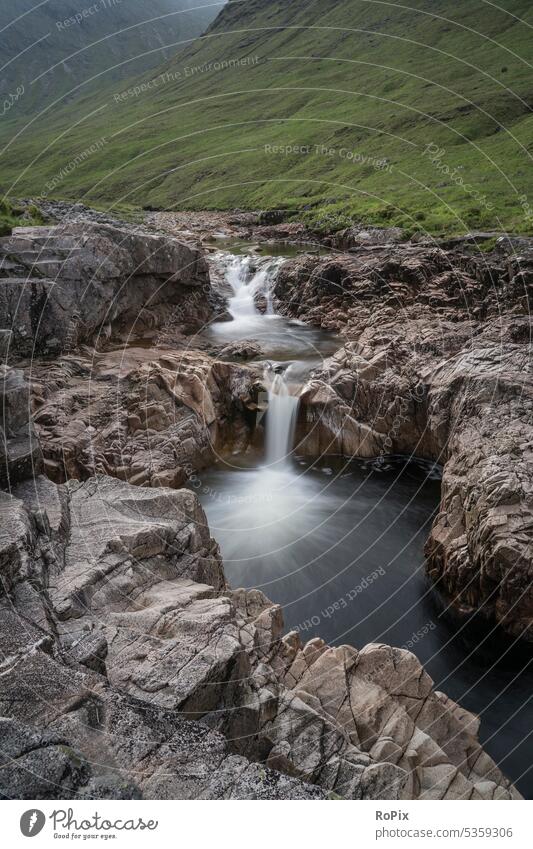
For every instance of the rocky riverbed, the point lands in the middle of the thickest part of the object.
(129, 667)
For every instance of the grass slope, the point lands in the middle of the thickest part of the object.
(18, 216)
(359, 87)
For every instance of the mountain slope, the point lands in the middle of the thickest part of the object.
(323, 104)
(64, 43)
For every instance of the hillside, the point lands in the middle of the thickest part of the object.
(416, 114)
(54, 48)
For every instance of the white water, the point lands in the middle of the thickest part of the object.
(242, 303)
(279, 337)
(282, 402)
(246, 283)
(281, 422)
(310, 536)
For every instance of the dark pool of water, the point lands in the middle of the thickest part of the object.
(340, 546)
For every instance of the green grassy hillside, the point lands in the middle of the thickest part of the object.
(416, 114)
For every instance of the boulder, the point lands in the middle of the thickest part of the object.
(77, 283)
(153, 417)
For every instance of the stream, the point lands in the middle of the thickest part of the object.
(339, 543)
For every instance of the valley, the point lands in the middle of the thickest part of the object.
(204, 378)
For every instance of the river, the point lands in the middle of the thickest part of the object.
(339, 543)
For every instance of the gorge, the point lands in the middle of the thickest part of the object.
(321, 534)
(146, 356)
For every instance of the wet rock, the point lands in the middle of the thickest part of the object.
(117, 630)
(129, 667)
(245, 349)
(118, 573)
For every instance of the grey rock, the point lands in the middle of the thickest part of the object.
(119, 634)
(436, 363)
(153, 417)
(37, 765)
(118, 630)
(20, 452)
(79, 282)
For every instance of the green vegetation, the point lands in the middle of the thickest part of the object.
(414, 114)
(486, 246)
(18, 216)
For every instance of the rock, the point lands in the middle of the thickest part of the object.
(272, 216)
(358, 236)
(172, 758)
(435, 364)
(361, 724)
(152, 417)
(20, 452)
(80, 282)
(5, 339)
(245, 349)
(221, 226)
(480, 549)
(118, 630)
(43, 765)
(180, 760)
(111, 571)
(129, 668)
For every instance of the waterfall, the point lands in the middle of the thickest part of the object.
(268, 279)
(241, 304)
(281, 422)
(246, 283)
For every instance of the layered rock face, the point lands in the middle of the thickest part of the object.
(81, 282)
(20, 452)
(212, 226)
(149, 416)
(437, 365)
(94, 313)
(114, 629)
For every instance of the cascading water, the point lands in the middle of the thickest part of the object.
(281, 421)
(242, 303)
(247, 277)
(310, 535)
